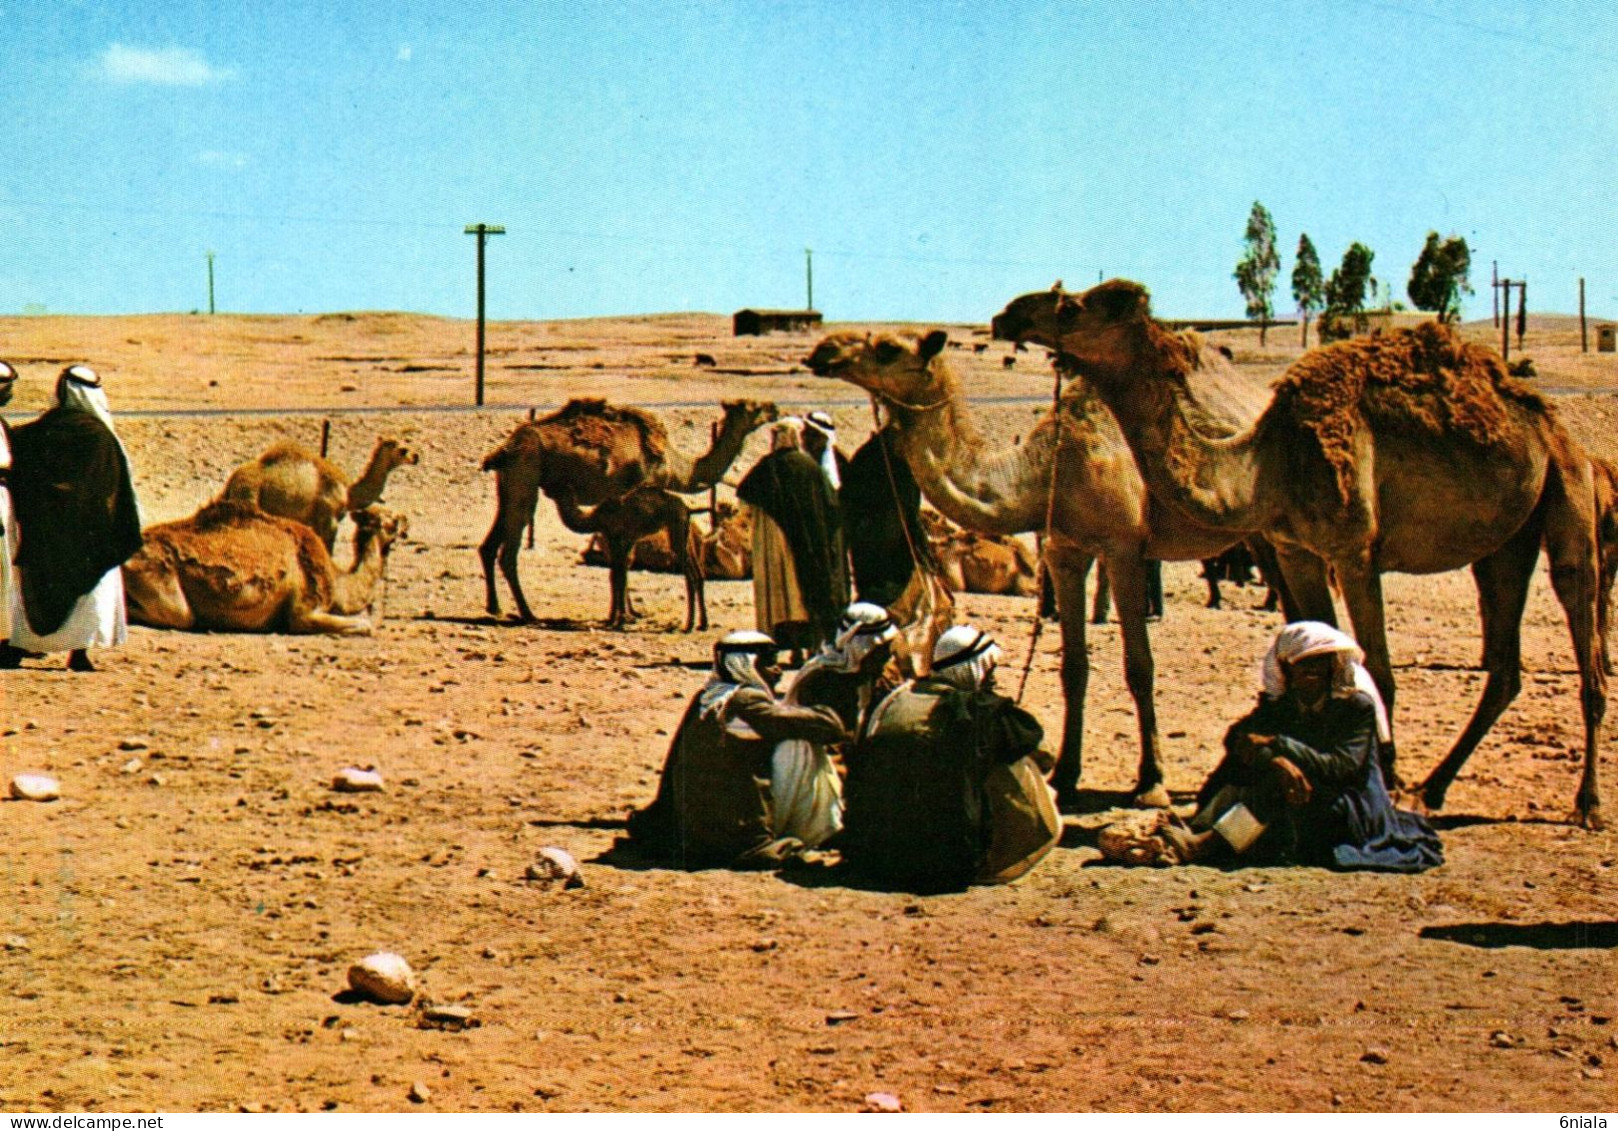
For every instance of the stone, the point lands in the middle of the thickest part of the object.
(419, 1093)
(356, 780)
(1375, 1055)
(555, 867)
(453, 1018)
(883, 1102)
(35, 787)
(383, 977)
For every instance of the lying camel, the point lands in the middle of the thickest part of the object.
(232, 568)
(291, 481)
(978, 562)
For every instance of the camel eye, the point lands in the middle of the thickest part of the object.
(888, 352)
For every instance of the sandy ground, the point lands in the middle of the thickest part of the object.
(177, 929)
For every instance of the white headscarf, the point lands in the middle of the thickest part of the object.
(863, 627)
(964, 656)
(79, 388)
(1302, 639)
(820, 421)
(735, 666)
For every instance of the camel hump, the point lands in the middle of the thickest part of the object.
(593, 422)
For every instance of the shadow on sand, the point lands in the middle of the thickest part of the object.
(1581, 935)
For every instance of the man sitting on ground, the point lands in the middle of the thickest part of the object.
(712, 807)
(1301, 781)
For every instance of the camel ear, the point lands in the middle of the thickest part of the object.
(933, 344)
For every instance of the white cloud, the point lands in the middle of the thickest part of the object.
(168, 66)
(404, 53)
(219, 159)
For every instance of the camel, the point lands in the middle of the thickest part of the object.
(291, 481)
(1606, 488)
(592, 452)
(623, 522)
(726, 551)
(233, 568)
(1412, 452)
(1098, 505)
(974, 562)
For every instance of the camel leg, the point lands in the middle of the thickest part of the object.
(159, 606)
(515, 506)
(1131, 585)
(1103, 604)
(1270, 573)
(688, 559)
(1570, 541)
(1211, 575)
(488, 551)
(1609, 572)
(1305, 589)
(618, 581)
(1362, 593)
(1068, 574)
(313, 621)
(1502, 580)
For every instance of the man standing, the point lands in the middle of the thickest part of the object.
(800, 568)
(8, 535)
(77, 522)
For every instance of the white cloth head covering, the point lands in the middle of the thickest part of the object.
(787, 433)
(820, 420)
(964, 656)
(735, 666)
(1302, 639)
(864, 626)
(79, 388)
(7, 373)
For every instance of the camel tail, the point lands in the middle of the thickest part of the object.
(499, 459)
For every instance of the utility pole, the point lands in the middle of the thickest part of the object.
(1584, 330)
(809, 274)
(482, 232)
(210, 282)
(1504, 287)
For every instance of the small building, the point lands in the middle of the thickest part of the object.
(757, 322)
(1606, 338)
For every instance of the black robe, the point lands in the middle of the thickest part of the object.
(881, 507)
(792, 489)
(75, 509)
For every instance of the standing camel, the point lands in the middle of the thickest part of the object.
(623, 522)
(1412, 452)
(291, 481)
(592, 452)
(1098, 505)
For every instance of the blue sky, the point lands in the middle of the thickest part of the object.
(939, 158)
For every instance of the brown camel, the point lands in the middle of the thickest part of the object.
(1100, 508)
(1606, 485)
(1412, 452)
(974, 562)
(291, 481)
(726, 552)
(592, 452)
(623, 522)
(232, 568)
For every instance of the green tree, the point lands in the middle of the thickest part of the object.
(1345, 292)
(1442, 273)
(1256, 271)
(1308, 285)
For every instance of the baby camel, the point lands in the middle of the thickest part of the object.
(232, 568)
(291, 481)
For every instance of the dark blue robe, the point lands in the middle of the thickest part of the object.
(1349, 821)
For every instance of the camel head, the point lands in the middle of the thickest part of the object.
(1089, 329)
(391, 453)
(748, 415)
(897, 369)
(378, 523)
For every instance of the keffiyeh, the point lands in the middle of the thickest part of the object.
(1305, 638)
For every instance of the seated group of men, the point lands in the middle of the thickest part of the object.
(943, 781)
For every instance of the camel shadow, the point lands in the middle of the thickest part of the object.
(1579, 935)
(1088, 802)
(552, 624)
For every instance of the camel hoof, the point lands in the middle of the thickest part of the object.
(1589, 817)
(1155, 798)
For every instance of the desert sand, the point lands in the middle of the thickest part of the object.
(178, 926)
